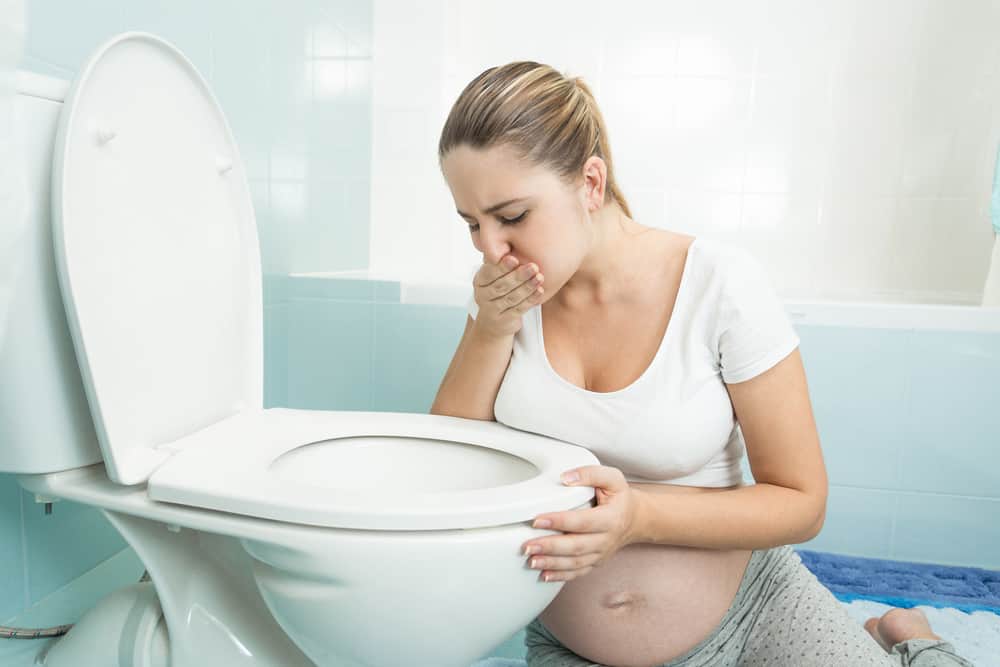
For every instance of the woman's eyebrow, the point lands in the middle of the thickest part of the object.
(495, 207)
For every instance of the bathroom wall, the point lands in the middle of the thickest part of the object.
(295, 82)
(849, 145)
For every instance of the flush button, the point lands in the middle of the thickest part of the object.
(223, 164)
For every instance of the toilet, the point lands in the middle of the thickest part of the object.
(132, 375)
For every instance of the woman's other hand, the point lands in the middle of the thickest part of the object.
(590, 536)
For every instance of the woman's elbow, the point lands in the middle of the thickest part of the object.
(820, 517)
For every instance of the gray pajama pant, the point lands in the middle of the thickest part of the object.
(781, 616)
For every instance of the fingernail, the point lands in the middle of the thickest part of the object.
(570, 477)
(542, 523)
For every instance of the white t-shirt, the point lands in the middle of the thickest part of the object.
(675, 424)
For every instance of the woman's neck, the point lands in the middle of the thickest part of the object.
(610, 263)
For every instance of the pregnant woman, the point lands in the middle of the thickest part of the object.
(667, 356)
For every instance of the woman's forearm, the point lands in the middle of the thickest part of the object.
(750, 517)
(473, 378)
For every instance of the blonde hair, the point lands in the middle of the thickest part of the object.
(547, 118)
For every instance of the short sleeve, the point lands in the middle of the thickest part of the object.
(753, 328)
(472, 307)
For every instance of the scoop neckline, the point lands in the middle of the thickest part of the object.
(681, 292)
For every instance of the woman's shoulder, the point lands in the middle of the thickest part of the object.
(717, 259)
(696, 256)
(714, 268)
(716, 249)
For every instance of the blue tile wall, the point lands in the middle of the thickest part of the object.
(13, 585)
(294, 80)
(275, 355)
(855, 425)
(413, 347)
(62, 545)
(909, 430)
(330, 354)
(954, 421)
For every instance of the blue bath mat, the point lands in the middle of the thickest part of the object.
(905, 584)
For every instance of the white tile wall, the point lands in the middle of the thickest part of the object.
(849, 144)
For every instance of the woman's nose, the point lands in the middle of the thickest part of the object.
(493, 246)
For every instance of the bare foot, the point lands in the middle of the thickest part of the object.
(898, 625)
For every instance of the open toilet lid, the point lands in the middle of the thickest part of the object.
(156, 251)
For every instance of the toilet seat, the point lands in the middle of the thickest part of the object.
(236, 465)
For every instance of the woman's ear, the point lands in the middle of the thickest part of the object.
(595, 174)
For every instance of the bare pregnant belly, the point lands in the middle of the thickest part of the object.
(648, 603)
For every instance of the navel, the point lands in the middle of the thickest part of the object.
(622, 600)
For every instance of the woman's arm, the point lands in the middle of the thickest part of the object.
(787, 505)
(473, 378)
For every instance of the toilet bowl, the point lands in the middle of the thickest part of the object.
(134, 385)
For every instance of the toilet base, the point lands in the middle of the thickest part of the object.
(211, 609)
(125, 628)
(242, 591)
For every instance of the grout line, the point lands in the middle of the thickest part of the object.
(371, 357)
(907, 406)
(741, 231)
(892, 525)
(26, 602)
(922, 493)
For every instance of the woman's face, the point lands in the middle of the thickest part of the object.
(513, 207)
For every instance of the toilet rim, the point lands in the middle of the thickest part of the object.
(228, 467)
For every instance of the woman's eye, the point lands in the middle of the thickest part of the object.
(473, 227)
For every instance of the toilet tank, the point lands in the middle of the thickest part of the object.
(45, 423)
